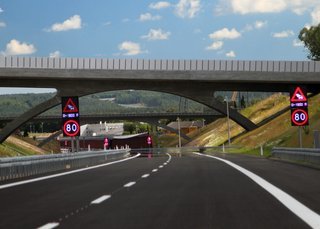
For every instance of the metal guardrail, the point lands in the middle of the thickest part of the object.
(177, 150)
(306, 155)
(18, 167)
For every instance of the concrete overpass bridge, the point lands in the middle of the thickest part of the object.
(193, 79)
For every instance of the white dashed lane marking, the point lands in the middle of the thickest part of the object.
(98, 200)
(129, 184)
(101, 199)
(49, 226)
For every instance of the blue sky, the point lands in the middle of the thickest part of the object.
(150, 29)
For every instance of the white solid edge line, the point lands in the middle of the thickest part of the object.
(100, 199)
(306, 214)
(129, 184)
(64, 173)
(49, 225)
(145, 175)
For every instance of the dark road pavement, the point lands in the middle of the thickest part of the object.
(191, 191)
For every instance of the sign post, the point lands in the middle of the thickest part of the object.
(70, 118)
(299, 109)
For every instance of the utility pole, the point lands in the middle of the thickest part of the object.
(228, 121)
(179, 132)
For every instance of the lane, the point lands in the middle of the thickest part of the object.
(190, 192)
(299, 209)
(35, 204)
(299, 181)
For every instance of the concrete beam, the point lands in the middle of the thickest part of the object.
(40, 108)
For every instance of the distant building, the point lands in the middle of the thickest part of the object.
(186, 126)
(102, 129)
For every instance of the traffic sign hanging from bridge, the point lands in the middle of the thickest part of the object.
(70, 116)
(299, 107)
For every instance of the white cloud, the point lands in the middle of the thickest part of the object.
(260, 24)
(297, 43)
(15, 47)
(266, 6)
(231, 54)
(157, 34)
(255, 25)
(2, 24)
(187, 8)
(130, 48)
(107, 23)
(315, 16)
(225, 34)
(1, 10)
(215, 45)
(283, 34)
(55, 54)
(159, 5)
(73, 22)
(149, 17)
(257, 6)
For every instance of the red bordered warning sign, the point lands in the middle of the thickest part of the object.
(298, 96)
(70, 107)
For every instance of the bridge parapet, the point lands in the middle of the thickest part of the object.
(159, 65)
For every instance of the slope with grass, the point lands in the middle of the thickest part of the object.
(277, 132)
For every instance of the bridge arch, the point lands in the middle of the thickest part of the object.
(203, 97)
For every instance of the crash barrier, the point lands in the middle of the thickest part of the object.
(18, 167)
(306, 155)
(177, 150)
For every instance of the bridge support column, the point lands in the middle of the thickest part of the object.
(40, 108)
(206, 97)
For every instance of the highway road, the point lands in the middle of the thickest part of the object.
(192, 191)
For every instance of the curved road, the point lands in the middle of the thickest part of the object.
(192, 191)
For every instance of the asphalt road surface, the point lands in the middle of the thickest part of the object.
(192, 191)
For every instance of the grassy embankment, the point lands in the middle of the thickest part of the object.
(24, 146)
(277, 132)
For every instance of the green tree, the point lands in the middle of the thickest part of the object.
(311, 39)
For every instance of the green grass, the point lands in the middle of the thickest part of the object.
(18, 150)
(251, 151)
(276, 133)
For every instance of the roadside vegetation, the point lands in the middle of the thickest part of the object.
(277, 132)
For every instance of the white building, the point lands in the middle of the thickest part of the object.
(102, 129)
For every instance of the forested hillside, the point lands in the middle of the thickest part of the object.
(114, 102)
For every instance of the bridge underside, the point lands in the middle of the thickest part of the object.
(201, 93)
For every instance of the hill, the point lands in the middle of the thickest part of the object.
(277, 132)
(15, 146)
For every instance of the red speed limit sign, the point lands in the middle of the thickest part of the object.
(299, 117)
(71, 128)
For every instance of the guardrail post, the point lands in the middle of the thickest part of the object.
(261, 150)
